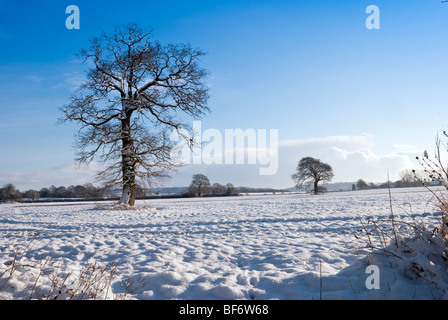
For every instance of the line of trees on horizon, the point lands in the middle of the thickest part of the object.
(10, 193)
(200, 186)
(408, 178)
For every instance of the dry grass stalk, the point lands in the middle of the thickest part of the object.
(50, 282)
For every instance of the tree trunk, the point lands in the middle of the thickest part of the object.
(128, 193)
(125, 195)
(315, 186)
(128, 182)
(133, 191)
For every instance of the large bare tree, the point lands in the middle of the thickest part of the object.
(136, 92)
(310, 170)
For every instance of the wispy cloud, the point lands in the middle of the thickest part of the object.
(70, 81)
(352, 158)
(34, 78)
(63, 175)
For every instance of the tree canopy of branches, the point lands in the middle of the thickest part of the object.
(361, 185)
(310, 170)
(9, 193)
(87, 190)
(137, 91)
(200, 185)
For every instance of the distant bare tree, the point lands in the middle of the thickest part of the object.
(10, 193)
(310, 170)
(362, 185)
(230, 189)
(413, 178)
(200, 185)
(135, 94)
(32, 194)
(218, 188)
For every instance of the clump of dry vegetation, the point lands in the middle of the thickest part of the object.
(412, 247)
(49, 279)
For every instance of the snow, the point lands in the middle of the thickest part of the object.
(283, 246)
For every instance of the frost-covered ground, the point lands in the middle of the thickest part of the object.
(248, 247)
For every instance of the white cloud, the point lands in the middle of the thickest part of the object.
(70, 80)
(349, 143)
(352, 158)
(34, 78)
(63, 175)
(398, 148)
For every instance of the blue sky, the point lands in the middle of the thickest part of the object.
(365, 101)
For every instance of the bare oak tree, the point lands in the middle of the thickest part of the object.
(310, 170)
(136, 92)
(200, 185)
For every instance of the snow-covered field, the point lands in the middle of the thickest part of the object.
(250, 247)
